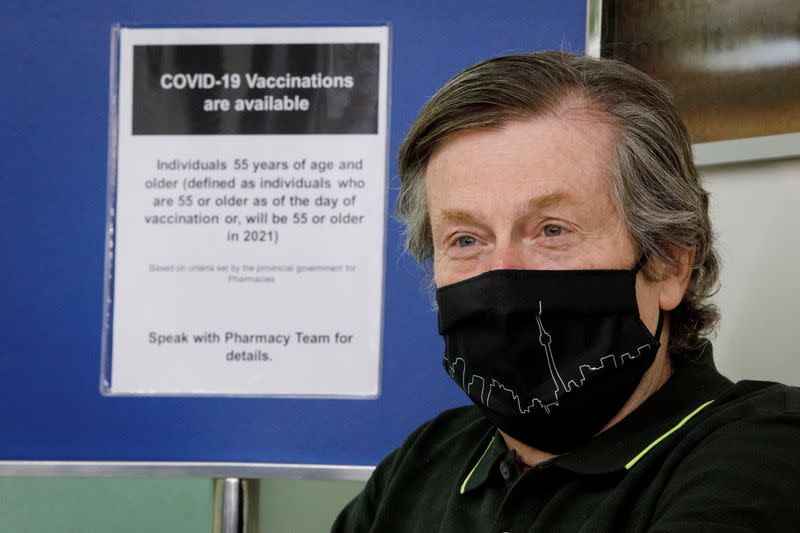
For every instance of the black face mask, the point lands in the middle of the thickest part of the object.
(548, 356)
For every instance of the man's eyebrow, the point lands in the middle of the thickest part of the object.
(549, 200)
(457, 216)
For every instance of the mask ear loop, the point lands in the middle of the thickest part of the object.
(636, 269)
(660, 325)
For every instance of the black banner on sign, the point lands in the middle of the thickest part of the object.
(255, 89)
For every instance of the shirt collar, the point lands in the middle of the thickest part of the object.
(486, 461)
(694, 383)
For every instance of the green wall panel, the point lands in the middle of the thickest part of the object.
(122, 505)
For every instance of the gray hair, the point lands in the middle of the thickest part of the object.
(654, 184)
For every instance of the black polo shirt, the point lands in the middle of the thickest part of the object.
(701, 454)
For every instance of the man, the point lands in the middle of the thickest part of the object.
(573, 257)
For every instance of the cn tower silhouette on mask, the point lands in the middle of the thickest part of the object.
(545, 339)
(486, 389)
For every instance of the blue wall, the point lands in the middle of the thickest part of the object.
(52, 213)
(54, 57)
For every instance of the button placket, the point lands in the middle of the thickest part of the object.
(509, 467)
(522, 502)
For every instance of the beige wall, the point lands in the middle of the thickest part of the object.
(756, 212)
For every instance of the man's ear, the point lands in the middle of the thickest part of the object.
(675, 278)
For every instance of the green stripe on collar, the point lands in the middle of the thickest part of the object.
(665, 435)
(466, 480)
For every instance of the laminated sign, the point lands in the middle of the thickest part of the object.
(247, 211)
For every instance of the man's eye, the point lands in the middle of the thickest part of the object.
(552, 230)
(465, 241)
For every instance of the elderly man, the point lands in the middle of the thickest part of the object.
(573, 258)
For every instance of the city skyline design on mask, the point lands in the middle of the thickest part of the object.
(545, 340)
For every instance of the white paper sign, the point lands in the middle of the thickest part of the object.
(246, 244)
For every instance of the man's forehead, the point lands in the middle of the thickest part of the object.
(558, 151)
(584, 124)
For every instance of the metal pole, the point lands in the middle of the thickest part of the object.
(235, 508)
